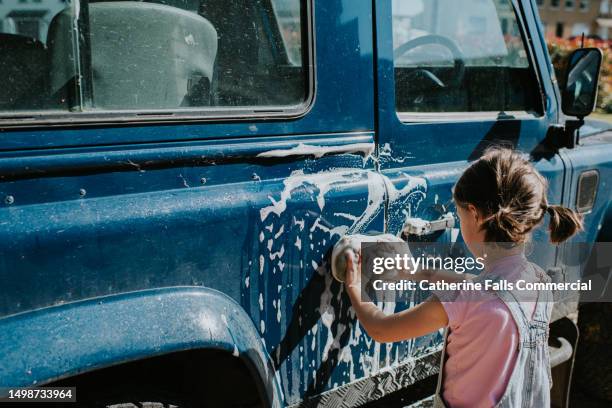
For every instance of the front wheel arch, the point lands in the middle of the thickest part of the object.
(187, 379)
(69, 340)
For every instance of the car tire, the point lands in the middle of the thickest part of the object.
(145, 397)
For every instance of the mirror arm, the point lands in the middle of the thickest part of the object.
(567, 135)
(572, 130)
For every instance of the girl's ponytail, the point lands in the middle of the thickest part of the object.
(511, 195)
(564, 223)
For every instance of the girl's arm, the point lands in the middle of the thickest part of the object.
(422, 319)
(435, 275)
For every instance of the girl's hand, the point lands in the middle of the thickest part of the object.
(353, 270)
(422, 319)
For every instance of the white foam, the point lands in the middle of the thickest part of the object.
(276, 255)
(299, 223)
(302, 149)
(318, 185)
(323, 181)
(376, 200)
(413, 185)
(347, 216)
(280, 232)
(386, 154)
(261, 264)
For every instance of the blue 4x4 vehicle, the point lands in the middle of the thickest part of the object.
(174, 173)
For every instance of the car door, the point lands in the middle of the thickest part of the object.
(238, 178)
(454, 77)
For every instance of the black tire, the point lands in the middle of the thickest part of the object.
(593, 370)
(188, 379)
(135, 398)
(143, 405)
(155, 399)
(152, 398)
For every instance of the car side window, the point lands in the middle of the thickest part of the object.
(113, 57)
(461, 56)
(25, 55)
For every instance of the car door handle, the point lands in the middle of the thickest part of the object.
(420, 227)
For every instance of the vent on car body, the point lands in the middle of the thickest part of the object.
(587, 190)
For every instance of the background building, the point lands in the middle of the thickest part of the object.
(568, 18)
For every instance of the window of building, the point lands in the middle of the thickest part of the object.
(580, 28)
(584, 5)
(559, 30)
(555, 3)
(210, 56)
(460, 56)
(603, 32)
(569, 4)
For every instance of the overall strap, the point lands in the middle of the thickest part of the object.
(541, 313)
(513, 304)
(438, 401)
(543, 308)
(516, 309)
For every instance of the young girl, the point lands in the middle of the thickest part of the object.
(495, 350)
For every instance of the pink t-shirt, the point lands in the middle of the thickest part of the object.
(482, 344)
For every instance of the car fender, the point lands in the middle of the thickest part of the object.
(65, 340)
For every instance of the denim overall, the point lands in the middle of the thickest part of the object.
(531, 380)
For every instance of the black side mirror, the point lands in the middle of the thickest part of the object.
(581, 79)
